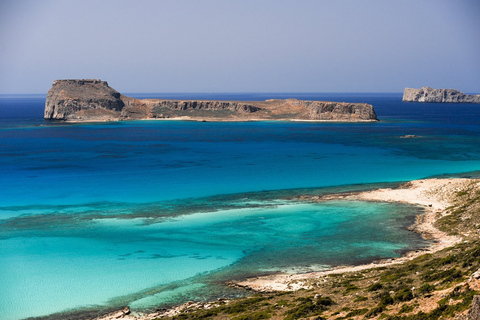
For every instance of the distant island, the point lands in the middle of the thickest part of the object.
(427, 94)
(93, 100)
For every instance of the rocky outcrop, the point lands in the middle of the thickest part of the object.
(84, 99)
(94, 100)
(427, 94)
(322, 110)
(205, 105)
(474, 312)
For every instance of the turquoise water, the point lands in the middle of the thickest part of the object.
(84, 259)
(152, 213)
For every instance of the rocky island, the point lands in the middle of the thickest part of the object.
(427, 94)
(95, 100)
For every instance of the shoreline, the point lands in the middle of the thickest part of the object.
(434, 195)
(188, 118)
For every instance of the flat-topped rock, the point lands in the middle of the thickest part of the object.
(427, 94)
(83, 99)
(95, 100)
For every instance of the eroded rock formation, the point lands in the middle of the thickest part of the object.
(339, 111)
(94, 100)
(427, 94)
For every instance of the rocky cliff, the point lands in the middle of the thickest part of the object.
(94, 100)
(427, 94)
(339, 110)
(84, 99)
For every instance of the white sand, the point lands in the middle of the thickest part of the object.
(435, 195)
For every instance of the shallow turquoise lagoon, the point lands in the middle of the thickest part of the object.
(152, 213)
(83, 259)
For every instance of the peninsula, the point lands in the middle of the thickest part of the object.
(427, 94)
(94, 100)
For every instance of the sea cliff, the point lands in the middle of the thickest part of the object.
(427, 94)
(95, 100)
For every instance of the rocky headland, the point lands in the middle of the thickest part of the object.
(427, 94)
(95, 100)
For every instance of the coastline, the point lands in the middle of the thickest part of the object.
(433, 195)
(205, 119)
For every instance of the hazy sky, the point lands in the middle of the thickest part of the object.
(241, 46)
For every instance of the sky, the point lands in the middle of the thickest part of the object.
(241, 46)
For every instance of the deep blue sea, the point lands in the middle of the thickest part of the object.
(155, 213)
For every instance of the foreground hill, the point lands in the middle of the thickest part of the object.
(94, 100)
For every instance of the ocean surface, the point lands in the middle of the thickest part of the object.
(155, 213)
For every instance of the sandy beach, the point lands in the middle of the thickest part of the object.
(434, 195)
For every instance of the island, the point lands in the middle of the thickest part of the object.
(427, 94)
(79, 100)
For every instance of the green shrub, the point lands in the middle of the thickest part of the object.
(243, 305)
(406, 308)
(374, 312)
(286, 303)
(349, 287)
(255, 316)
(392, 276)
(403, 295)
(426, 288)
(360, 298)
(325, 301)
(444, 311)
(375, 287)
(386, 300)
(308, 308)
(447, 275)
(356, 312)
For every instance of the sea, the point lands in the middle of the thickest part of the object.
(151, 214)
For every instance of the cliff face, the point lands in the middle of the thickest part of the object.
(427, 94)
(204, 105)
(94, 100)
(321, 110)
(84, 99)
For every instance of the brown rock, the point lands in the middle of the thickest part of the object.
(94, 100)
(87, 99)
